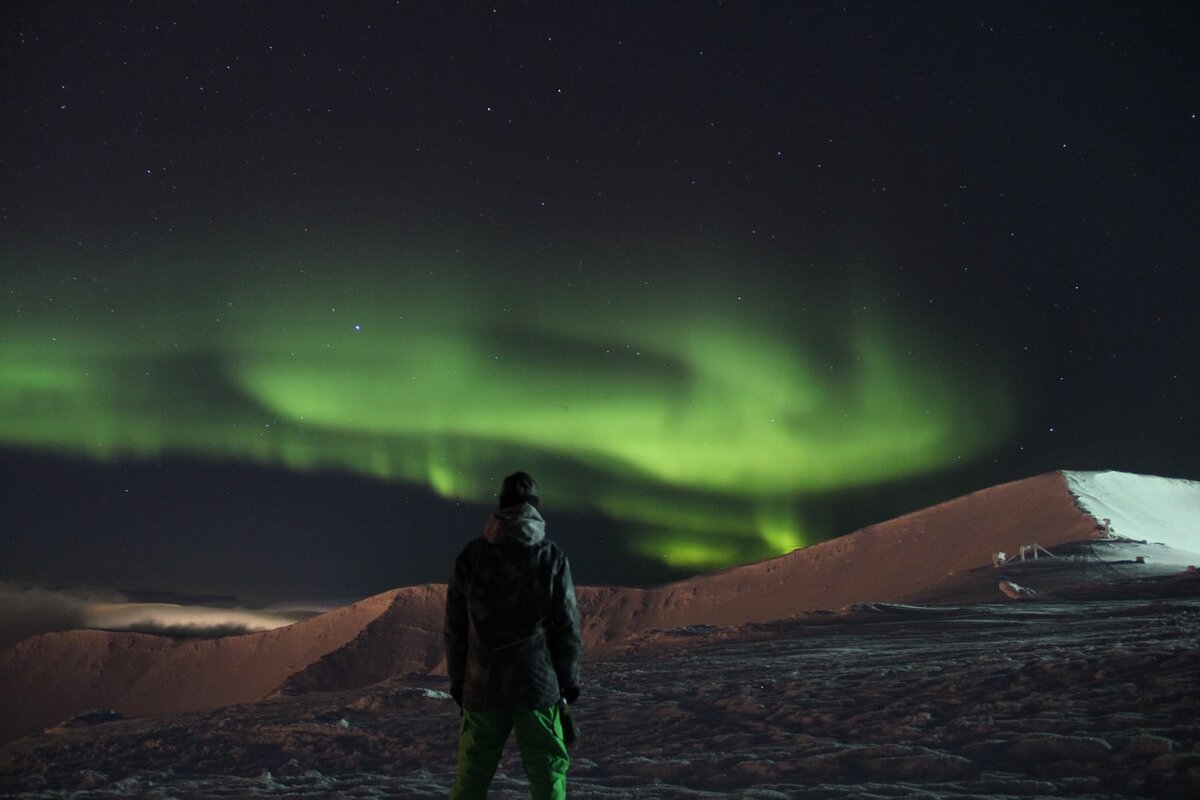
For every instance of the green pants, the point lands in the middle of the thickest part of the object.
(481, 738)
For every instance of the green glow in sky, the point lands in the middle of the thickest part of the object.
(700, 415)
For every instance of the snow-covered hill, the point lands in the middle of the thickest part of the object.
(941, 553)
(1158, 510)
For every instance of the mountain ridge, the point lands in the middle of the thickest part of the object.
(910, 558)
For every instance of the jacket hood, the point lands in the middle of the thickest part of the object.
(519, 523)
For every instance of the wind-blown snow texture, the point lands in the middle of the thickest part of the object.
(1056, 699)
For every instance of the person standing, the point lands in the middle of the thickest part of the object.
(512, 646)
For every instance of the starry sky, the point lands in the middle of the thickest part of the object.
(286, 289)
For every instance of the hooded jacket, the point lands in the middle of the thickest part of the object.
(512, 623)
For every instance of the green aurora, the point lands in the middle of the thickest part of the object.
(701, 416)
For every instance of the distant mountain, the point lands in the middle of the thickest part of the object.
(50, 677)
(946, 552)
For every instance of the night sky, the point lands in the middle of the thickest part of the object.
(287, 288)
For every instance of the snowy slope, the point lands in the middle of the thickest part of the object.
(1086, 700)
(912, 558)
(1159, 510)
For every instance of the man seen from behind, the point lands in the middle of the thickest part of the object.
(512, 646)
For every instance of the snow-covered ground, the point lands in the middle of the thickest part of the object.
(1158, 510)
(1039, 699)
(1087, 690)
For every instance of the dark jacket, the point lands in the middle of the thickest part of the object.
(512, 623)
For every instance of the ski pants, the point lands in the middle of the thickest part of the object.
(481, 738)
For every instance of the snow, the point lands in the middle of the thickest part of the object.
(742, 683)
(1092, 699)
(1159, 510)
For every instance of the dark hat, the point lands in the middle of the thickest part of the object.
(518, 488)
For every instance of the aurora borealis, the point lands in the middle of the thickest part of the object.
(703, 428)
(727, 281)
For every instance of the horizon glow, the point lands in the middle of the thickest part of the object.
(700, 418)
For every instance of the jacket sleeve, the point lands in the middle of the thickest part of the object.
(563, 635)
(455, 629)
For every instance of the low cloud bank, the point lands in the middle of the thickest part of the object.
(181, 620)
(29, 610)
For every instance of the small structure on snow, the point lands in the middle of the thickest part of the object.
(1031, 550)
